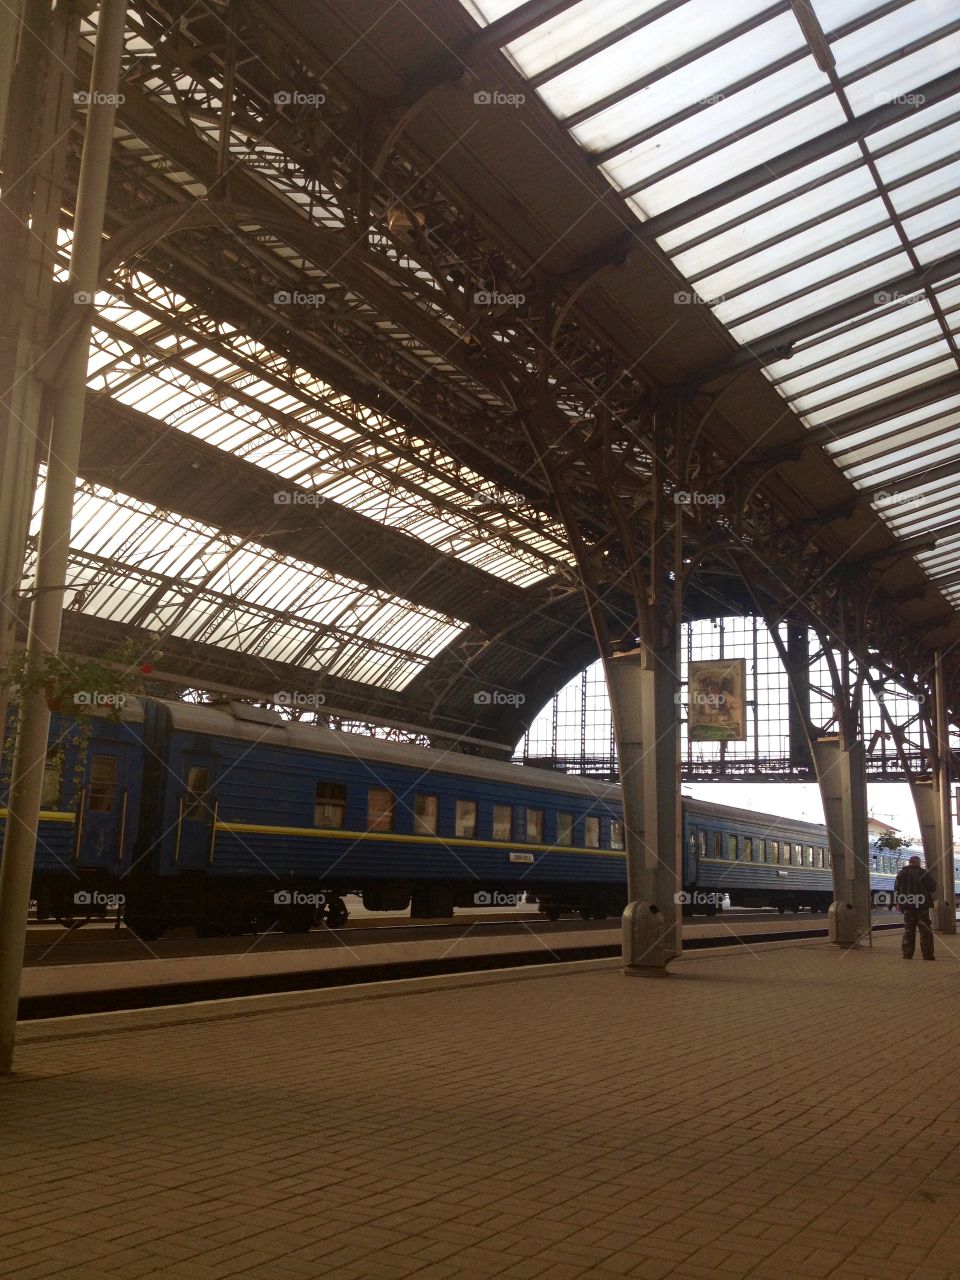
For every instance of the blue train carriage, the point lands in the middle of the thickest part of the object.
(89, 812)
(251, 820)
(763, 860)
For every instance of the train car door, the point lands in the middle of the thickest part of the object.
(197, 812)
(102, 810)
(690, 854)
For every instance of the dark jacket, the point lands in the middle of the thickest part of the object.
(914, 887)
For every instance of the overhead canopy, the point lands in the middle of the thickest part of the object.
(798, 165)
(296, 471)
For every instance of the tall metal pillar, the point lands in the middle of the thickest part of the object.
(29, 223)
(798, 707)
(842, 775)
(840, 762)
(16, 868)
(932, 800)
(643, 685)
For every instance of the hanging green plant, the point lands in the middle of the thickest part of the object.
(78, 687)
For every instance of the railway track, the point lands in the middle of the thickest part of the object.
(186, 970)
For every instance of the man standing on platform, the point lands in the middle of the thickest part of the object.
(913, 893)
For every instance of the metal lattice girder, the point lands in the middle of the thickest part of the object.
(341, 200)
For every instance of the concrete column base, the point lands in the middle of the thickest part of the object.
(842, 924)
(943, 917)
(644, 941)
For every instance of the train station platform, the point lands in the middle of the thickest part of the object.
(772, 1111)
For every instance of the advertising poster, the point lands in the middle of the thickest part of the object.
(716, 707)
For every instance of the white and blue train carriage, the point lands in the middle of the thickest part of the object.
(250, 819)
(764, 860)
(230, 819)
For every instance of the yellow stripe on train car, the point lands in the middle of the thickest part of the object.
(49, 815)
(255, 828)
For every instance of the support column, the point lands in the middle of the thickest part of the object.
(643, 685)
(798, 707)
(16, 869)
(841, 772)
(935, 804)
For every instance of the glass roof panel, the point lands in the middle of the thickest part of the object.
(777, 195)
(562, 36)
(177, 575)
(654, 46)
(778, 317)
(305, 444)
(815, 243)
(703, 83)
(724, 162)
(888, 35)
(838, 393)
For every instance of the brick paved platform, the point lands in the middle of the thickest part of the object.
(740, 1119)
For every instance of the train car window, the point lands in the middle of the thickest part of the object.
(702, 836)
(535, 825)
(770, 851)
(775, 851)
(424, 815)
(465, 821)
(616, 834)
(52, 780)
(198, 784)
(503, 822)
(103, 783)
(827, 858)
(380, 805)
(808, 856)
(748, 848)
(818, 859)
(797, 855)
(591, 832)
(717, 842)
(731, 848)
(329, 803)
(564, 828)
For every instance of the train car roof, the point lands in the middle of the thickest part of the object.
(261, 724)
(258, 724)
(752, 816)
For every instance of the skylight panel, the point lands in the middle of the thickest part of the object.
(190, 574)
(573, 30)
(723, 162)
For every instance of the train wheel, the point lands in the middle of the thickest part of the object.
(337, 914)
(144, 926)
